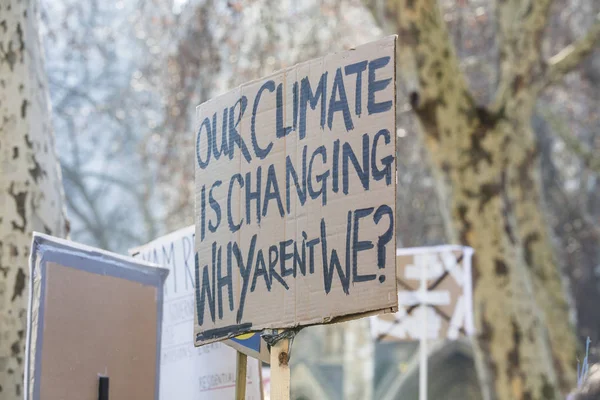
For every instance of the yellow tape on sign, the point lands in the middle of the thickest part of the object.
(245, 336)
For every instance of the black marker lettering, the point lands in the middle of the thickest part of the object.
(281, 130)
(272, 192)
(244, 272)
(260, 152)
(224, 145)
(203, 163)
(357, 68)
(215, 206)
(376, 86)
(335, 169)
(361, 171)
(232, 226)
(250, 195)
(300, 262)
(311, 254)
(387, 162)
(338, 90)
(307, 96)
(234, 136)
(334, 262)
(204, 291)
(384, 239)
(260, 270)
(284, 256)
(319, 178)
(224, 280)
(360, 245)
(290, 175)
(273, 257)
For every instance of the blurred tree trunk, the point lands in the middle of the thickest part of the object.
(30, 182)
(358, 360)
(485, 160)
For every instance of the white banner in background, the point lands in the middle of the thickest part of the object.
(186, 372)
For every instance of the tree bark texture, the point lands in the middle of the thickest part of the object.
(485, 161)
(31, 195)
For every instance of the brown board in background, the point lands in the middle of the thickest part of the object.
(448, 298)
(91, 313)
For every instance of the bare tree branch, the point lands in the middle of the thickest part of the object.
(521, 24)
(562, 198)
(568, 58)
(423, 34)
(586, 155)
(95, 225)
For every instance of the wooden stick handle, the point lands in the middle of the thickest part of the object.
(280, 370)
(240, 379)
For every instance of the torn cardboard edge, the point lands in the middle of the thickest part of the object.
(45, 249)
(327, 320)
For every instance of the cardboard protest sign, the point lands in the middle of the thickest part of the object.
(184, 368)
(449, 295)
(91, 313)
(295, 196)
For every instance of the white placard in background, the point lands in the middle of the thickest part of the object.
(186, 372)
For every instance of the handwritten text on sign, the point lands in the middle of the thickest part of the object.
(186, 372)
(295, 196)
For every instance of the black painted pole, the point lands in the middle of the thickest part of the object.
(103, 388)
